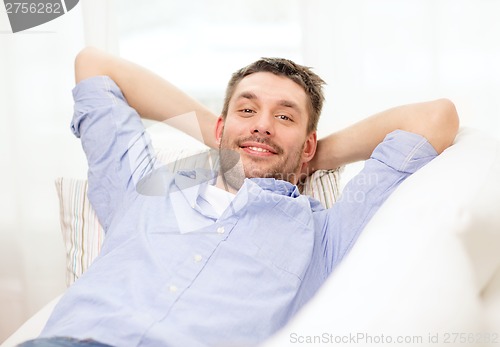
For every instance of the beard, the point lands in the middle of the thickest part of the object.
(235, 168)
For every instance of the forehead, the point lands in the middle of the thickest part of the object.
(268, 87)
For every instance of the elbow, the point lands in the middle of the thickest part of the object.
(445, 123)
(88, 63)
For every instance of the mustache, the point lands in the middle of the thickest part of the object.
(262, 140)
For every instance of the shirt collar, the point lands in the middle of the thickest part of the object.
(190, 182)
(278, 186)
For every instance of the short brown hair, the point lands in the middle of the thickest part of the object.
(302, 75)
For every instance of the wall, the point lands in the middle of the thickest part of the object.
(378, 54)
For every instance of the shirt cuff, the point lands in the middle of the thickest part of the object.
(94, 93)
(404, 151)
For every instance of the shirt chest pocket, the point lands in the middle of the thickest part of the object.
(284, 240)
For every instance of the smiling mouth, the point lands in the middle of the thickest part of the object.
(258, 149)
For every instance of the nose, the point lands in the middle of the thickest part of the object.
(263, 125)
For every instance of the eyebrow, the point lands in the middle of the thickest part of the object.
(285, 103)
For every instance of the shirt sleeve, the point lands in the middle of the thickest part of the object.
(397, 157)
(118, 150)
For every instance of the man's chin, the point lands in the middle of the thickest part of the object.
(289, 177)
(242, 165)
(253, 171)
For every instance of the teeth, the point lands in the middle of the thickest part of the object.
(258, 149)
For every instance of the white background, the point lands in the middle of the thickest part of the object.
(374, 54)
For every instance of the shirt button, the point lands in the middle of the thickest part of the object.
(172, 288)
(220, 230)
(198, 258)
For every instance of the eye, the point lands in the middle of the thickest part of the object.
(283, 117)
(246, 112)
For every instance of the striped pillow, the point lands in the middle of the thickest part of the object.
(81, 231)
(83, 235)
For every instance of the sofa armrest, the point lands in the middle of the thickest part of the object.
(33, 326)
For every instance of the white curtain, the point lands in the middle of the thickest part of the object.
(100, 25)
(36, 146)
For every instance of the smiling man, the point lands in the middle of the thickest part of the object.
(269, 120)
(198, 265)
(275, 145)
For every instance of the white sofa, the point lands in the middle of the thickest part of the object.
(426, 269)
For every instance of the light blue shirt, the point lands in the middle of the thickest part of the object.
(173, 273)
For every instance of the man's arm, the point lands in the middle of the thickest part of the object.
(150, 95)
(157, 99)
(436, 120)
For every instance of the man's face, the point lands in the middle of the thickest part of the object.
(266, 125)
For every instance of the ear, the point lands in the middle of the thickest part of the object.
(310, 146)
(219, 129)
